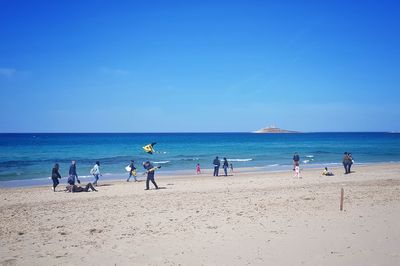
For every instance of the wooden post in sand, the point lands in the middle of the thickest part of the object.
(341, 199)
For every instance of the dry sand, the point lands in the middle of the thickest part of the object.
(245, 219)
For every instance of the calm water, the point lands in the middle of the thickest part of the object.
(31, 156)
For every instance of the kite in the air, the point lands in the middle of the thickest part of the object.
(149, 148)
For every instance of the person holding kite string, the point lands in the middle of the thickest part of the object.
(150, 174)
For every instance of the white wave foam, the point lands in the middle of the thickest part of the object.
(310, 156)
(162, 162)
(306, 161)
(240, 160)
(271, 165)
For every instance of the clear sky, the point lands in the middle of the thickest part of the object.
(183, 66)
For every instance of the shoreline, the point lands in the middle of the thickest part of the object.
(46, 181)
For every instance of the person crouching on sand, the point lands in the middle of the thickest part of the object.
(150, 174)
(326, 172)
(55, 175)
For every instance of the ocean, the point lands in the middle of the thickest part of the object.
(27, 159)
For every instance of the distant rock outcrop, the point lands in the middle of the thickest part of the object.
(274, 130)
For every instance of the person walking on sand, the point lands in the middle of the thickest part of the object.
(132, 171)
(72, 175)
(96, 172)
(55, 175)
(198, 170)
(296, 160)
(216, 164)
(150, 174)
(225, 165)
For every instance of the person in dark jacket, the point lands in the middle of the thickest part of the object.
(225, 165)
(296, 160)
(346, 163)
(72, 174)
(55, 175)
(150, 174)
(132, 172)
(216, 164)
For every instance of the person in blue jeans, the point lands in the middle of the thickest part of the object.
(216, 164)
(225, 165)
(132, 172)
(96, 172)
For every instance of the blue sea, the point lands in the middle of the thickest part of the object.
(27, 159)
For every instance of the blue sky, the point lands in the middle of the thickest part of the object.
(184, 66)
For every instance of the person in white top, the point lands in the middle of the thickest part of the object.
(96, 172)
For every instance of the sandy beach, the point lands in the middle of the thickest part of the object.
(245, 219)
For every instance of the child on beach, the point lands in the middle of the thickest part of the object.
(297, 171)
(198, 170)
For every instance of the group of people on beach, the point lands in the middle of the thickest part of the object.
(150, 170)
(95, 171)
(225, 166)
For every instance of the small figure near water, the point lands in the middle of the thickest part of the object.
(198, 170)
(72, 174)
(327, 173)
(216, 164)
(55, 175)
(231, 166)
(296, 160)
(297, 171)
(225, 165)
(95, 171)
(132, 171)
(150, 174)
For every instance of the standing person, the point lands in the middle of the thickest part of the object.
(150, 174)
(231, 165)
(216, 164)
(96, 172)
(72, 175)
(351, 161)
(55, 175)
(296, 160)
(198, 170)
(225, 165)
(297, 171)
(346, 163)
(132, 172)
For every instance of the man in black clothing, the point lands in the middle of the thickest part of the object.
(150, 174)
(216, 164)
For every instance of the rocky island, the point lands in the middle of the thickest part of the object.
(273, 130)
